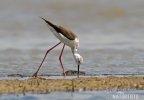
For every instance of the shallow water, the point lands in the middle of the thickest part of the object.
(81, 95)
(110, 32)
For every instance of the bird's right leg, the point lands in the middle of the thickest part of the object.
(35, 74)
(61, 60)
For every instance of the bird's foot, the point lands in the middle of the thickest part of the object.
(35, 75)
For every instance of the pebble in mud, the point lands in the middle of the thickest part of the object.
(15, 75)
(74, 73)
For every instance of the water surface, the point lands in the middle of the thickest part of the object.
(85, 95)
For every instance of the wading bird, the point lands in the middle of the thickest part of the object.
(66, 37)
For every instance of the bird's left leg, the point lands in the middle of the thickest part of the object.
(61, 60)
(35, 74)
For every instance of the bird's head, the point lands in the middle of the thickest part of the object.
(79, 60)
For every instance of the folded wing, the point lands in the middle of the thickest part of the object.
(65, 32)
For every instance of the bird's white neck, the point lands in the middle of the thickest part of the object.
(74, 51)
(77, 56)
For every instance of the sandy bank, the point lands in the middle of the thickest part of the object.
(83, 83)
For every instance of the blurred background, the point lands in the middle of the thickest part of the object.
(111, 35)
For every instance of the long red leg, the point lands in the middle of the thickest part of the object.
(61, 60)
(35, 74)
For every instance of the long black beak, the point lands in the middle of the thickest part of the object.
(78, 70)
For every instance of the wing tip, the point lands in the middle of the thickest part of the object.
(48, 22)
(44, 19)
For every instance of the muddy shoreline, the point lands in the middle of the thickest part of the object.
(75, 84)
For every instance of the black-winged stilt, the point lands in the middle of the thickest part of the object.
(67, 37)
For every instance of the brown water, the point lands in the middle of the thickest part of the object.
(111, 36)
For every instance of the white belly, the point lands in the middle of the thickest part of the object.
(70, 43)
